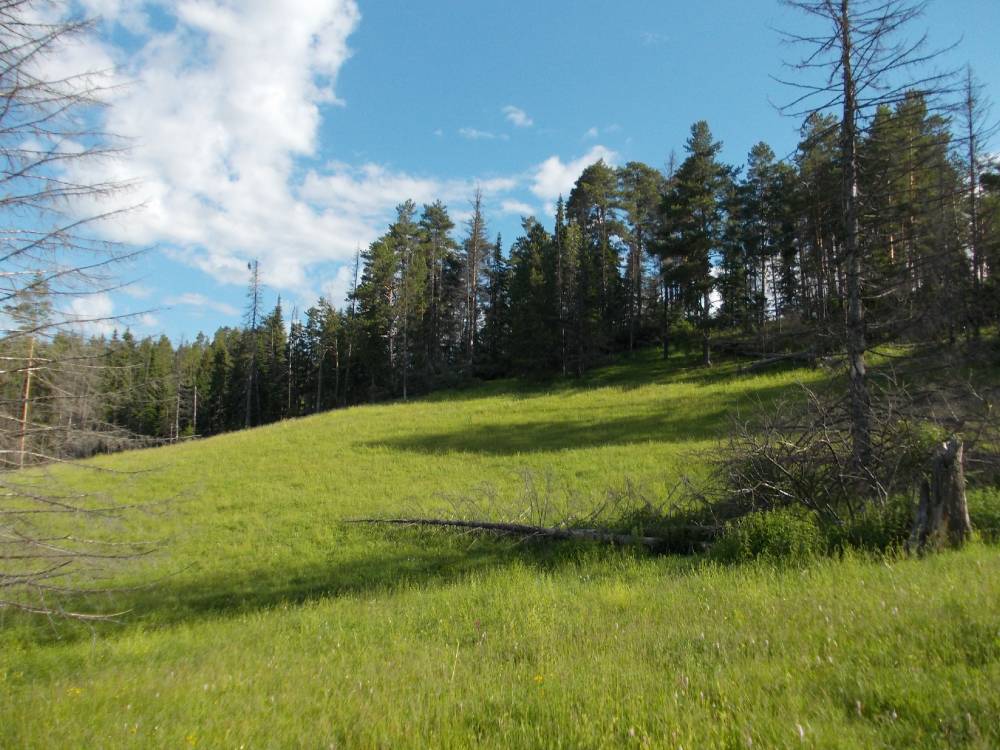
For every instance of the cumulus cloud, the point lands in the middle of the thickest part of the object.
(367, 192)
(480, 135)
(554, 177)
(517, 207)
(337, 288)
(137, 291)
(221, 108)
(131, 14)
(200, 301)
(517, 116)
(224, 111)
(92, 314)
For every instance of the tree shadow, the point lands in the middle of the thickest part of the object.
(660, 425)
(550, 437)
(381, 561)
(626, 371)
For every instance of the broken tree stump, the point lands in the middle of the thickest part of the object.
(942, 518)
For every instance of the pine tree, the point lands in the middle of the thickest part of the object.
(274, 369)
(694, 221)
(496, 322)
(439, 253)
(593, 205)
(375, 297)
(534, 315)
(642, 189)
(475, 251)
(410, 300)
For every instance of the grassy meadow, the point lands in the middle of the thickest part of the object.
(273, 624)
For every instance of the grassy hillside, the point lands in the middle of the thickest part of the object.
(274, 625)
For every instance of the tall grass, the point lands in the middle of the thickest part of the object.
(272, 624)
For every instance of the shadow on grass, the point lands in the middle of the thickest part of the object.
(543, 437)
(658, 425)
(627, 371)
(381, 561)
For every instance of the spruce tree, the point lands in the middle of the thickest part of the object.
(694, 221)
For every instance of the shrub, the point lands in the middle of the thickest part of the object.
(876, 529)
(984, 512)
(785, 535)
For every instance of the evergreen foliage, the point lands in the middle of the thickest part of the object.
(635, 257)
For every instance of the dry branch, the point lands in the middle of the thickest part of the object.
(549, 532)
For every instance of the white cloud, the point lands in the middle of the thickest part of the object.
(221, 108)
(129, 13)
(595, 132)
(517, 207)
(364, 194)
(368, 193)
(337, 289)
(193, 299)
(93, 314)
(481, 135)
(553, 177)
(149, 321)
(137, 291)
(517, 116)
(653, 38)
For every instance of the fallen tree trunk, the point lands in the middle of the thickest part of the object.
(548, 532)
(767, 361)
(942, 518)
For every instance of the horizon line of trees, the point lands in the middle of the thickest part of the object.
(636, 256)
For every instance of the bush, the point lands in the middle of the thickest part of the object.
(878, 528)
(784, 535)
(685, 336)
(984, 512)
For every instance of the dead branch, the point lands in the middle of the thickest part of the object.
(549, 532)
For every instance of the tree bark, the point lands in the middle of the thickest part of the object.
(942, 518)
(855, 319)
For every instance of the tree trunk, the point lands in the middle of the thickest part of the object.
(855, 318)
(706, 348)
(26, 402)
(942, 518)
(664, 312)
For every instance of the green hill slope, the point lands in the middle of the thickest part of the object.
(273, 624)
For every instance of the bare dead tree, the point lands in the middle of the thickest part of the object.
(253, 315)
(54, 540)
(978, 130)
(928, 435)
(475, 249)
(865, 61)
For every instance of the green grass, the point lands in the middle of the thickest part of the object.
(275, 625)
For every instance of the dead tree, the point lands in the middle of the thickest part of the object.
(252, 317)
(475, 250)
(863, 58)
(942, 518)
(54, 540)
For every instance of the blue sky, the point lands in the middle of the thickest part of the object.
(288, 131)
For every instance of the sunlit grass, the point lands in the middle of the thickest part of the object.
(273, 624)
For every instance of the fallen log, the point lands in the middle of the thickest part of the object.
(809, 358)
(548, 532)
